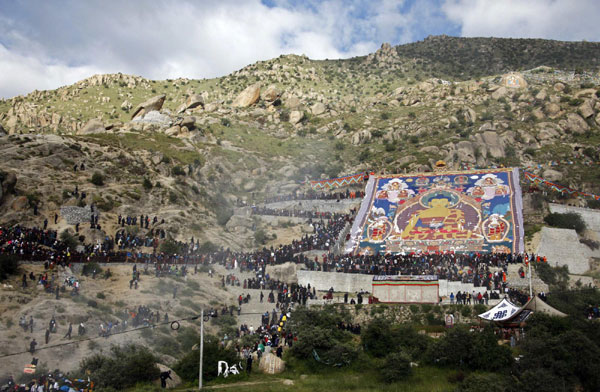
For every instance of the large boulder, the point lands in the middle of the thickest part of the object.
(585, 109)
(20, 203)
(93, 126)
(193, 101)
(154, 117)
(469, 115)
(493, 144)
(465, 151)
(361, 137)
(574, 123)
(153, 104)
(552, 175)
(174, 381)
(513, 80)
(499, 93)
(548, 131)
(542, 95)
(271, 364)
(296, 116)
(293, 102)
(318, 108)
(286, 272)
(247, 97)
(552, 109)
(189, 122)
(271, 94)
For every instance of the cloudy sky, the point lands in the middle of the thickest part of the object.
(47, 44)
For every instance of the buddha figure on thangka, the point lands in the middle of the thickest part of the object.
(439, 215)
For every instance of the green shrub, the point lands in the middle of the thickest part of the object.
(97, 179)
(122, 367)
(170, 247)
(89, 268)
(177, 171)
(208, 247)
(147, 184)
(380, 334)
(260, 237)
(396, 367)
(364, 155)
(187, 367)
(100, 295)
(465, 311)
(463, 349)
(569, 220)
(318, 333)
(477, 382)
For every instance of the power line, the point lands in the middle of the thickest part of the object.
(99, 337)
(152, 326)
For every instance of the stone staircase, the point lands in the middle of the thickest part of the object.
(516, 282)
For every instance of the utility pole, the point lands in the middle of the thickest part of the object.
(201, 349)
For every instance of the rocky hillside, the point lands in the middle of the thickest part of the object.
(189, 150)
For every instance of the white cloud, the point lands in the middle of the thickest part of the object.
(20, 74)
(45, 46)
(569, 20)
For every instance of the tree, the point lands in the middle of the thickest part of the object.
(187, 367)
(122, 367)
(170, 247)
(396, 367)
(569, 220)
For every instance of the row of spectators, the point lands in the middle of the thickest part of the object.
(481, 269)
(292, 213)
(314, 195)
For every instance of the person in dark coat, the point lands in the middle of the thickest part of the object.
(164, 376)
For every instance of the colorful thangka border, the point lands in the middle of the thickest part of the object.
(464, 212)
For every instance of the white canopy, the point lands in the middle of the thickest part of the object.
(503, 311)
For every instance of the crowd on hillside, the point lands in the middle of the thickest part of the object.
(293, 213)
(481, 269)
(314, 195)
(473, 268)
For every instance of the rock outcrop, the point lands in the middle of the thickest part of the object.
(153, 104)
(93, 126)
(271, 94)
(247, 97)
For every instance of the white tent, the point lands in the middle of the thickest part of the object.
(503, 311)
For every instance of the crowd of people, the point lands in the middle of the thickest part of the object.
(314, 195)
(292, 213)
(482, 269)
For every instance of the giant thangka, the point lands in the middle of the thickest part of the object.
(466, 211)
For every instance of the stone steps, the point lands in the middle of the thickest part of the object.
(515, 281)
